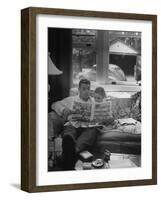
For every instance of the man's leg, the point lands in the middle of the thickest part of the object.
(87, 139)
(68, 145)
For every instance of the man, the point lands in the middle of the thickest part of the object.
(75, 138)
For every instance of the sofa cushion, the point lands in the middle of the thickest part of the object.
(117, 147)
(117, 135)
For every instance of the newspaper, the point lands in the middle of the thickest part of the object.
(81, 111)
(90, 114)
(101, 112)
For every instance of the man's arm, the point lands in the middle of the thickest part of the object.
(63, 107)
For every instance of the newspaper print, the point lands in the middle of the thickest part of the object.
(91, 113)
(81, 111)
(102, 111)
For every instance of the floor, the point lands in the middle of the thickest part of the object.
(116, 161)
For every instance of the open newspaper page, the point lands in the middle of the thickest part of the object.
(82, 111)
(90, 114)
(101, 113)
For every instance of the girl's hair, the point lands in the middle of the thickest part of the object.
(100, 91)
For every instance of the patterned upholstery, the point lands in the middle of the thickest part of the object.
(125, 108)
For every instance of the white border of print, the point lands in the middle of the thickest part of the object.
(43, 177)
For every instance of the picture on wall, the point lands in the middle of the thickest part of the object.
(88, 99)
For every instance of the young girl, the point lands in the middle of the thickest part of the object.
(99, 95)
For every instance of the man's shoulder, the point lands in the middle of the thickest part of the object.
(76, 97)
(70, 99)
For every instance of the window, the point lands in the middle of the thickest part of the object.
(109, 58)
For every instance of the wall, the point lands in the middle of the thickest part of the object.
(10, 98)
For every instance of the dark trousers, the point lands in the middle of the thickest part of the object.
(76, 140)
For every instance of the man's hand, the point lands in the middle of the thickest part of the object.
(108, 121)
(66, 112)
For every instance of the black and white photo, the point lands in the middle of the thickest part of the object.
(94, 99)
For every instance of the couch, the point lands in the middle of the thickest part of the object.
(116, 140)
(113, 139)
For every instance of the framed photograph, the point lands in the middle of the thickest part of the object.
(88, 99)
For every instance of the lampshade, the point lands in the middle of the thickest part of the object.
(52, 69)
